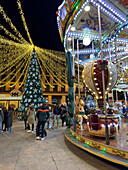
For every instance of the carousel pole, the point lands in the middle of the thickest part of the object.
(112, 98)
(93, 49)
(74, 83)
(93, 60)
(78, 69)
(106, 120)
(116, 95)
(110, 57)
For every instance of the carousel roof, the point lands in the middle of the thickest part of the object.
(74, 21)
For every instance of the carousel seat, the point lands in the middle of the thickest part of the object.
(94, 122)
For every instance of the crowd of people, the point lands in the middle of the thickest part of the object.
(6, 119)
(46, 117)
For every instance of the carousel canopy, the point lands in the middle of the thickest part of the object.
(77, 20)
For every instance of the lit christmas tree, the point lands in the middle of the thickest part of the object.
(32, 92)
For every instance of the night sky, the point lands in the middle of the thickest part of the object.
(41, 20)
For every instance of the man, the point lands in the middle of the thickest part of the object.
(42, 115)
(56, 112)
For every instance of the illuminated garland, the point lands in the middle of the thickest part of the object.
(23, 19)
(50, 67)
(15, 55)
(10, 34)
(22, 71)
(48, 70)
(44, 74)
(8, 20)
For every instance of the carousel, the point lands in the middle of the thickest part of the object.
(95, 37)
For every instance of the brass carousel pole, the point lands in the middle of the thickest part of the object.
(78, 69)
(74, 83)
(106, 120)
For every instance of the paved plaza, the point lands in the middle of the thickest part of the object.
(19, 150)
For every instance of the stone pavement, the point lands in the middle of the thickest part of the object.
(19, 150)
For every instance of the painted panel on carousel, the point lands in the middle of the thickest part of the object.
(89, 20)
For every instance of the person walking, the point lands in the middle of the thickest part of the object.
(42, 115)
(1, 118)
(56, 113)
(26, 118)
(31, 118)
(9, 119)
(63, 113)
(4, 125)
(49, 120)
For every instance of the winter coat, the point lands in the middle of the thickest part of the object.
(57, 110)
(9, 118)
(1, 115)
(25, 115)
(42, 114)
(5, 115)
(31, 116)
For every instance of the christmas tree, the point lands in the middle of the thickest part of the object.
(32, 92)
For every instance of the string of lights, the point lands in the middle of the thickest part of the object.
(23, 19)
(8, 20)
(10, 34)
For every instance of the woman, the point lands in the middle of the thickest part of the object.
(9, 119)
(31, 118)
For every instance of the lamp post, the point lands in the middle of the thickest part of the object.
(106, 120)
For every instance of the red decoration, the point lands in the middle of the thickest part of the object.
(56, 12)
(124, 2)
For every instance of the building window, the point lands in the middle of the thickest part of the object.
(62, 89)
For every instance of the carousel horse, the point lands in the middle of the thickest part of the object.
(81, 113)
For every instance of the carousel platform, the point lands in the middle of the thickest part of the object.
(116, 151)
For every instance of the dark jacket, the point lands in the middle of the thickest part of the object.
(57, 110)
(9, 119)
(42, 114)
(1, 115)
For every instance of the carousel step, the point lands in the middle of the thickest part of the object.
(95, 151)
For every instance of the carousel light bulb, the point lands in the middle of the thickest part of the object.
(109, 83)
(69, 38)
(86, 41)
(70, 49)
(107, 88)
(110, 72)
(98, 88)
(94, 73)
(87, 8)
(100, 92)
(73, 28)
(90, 89)
(96, 84)
(110, 78)
(100, 97)
(95, 78)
